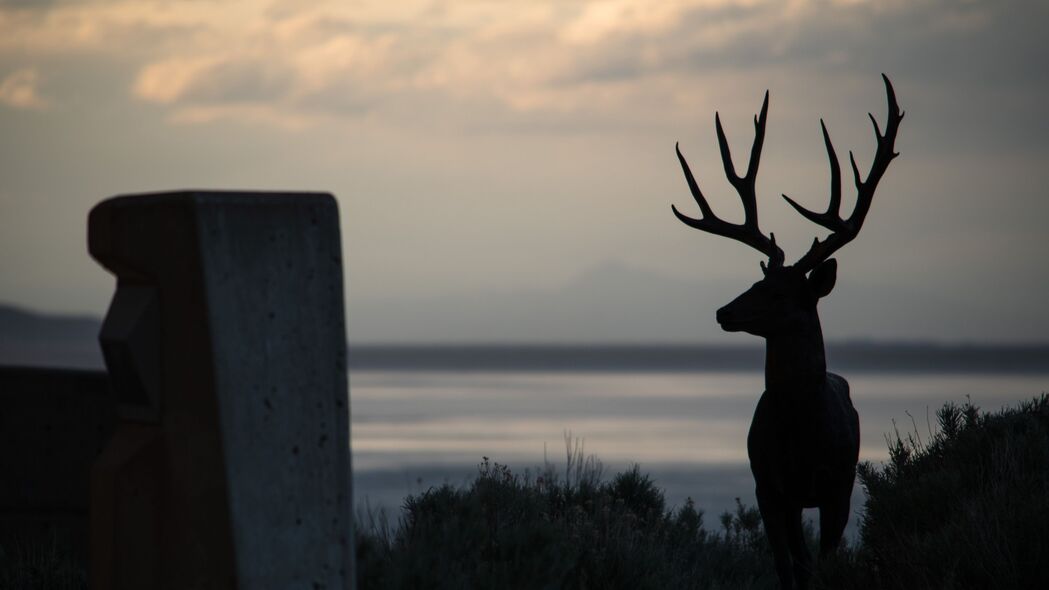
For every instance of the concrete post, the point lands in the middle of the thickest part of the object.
(226, 346)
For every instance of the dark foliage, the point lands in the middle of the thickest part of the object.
(967, 508)
(506, 531)
(39, 564)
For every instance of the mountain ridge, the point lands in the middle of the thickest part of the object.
(30, 338)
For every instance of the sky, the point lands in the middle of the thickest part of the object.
(505, 169)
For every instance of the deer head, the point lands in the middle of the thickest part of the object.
(784, 300)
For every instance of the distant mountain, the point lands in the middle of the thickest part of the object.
(618, 302)
(34, 339)
(609, 303)
(846, 357)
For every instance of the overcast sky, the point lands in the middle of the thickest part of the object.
(505, 169)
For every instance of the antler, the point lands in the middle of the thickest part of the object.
(748, 231)
(844, 230)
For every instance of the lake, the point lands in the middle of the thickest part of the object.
(416, 429)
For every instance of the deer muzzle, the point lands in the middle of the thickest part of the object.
(727, 321)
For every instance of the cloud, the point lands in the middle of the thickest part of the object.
(233, 79)
(542, 63)
(330, 59)
(19, 90)
(27, 5)
(119, 29)
(493, 145)
(341, 74)
(598, 21)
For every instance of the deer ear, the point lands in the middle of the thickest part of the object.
(822, 278)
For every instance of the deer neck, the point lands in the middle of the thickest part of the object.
(796, 359)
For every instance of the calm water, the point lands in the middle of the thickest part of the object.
(412, 430)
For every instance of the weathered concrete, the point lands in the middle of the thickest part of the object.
(226, 345)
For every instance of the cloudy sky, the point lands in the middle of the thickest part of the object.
(505, 169)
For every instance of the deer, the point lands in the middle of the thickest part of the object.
(804, 439)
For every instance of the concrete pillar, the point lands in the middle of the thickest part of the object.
(226, 346)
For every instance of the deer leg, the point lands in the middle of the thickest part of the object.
(773, 515)
(799, 550)
(834, 515)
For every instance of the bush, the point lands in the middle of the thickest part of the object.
(507, 531)
(967, 508)
(40, 563)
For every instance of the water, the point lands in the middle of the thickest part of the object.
(413, 430)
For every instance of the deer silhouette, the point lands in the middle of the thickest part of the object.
(804, 440)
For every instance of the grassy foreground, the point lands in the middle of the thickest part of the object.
(967, 506)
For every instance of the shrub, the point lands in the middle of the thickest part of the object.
(506, 531)
(967, 508)
(40, 562)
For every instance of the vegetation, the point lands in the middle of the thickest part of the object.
(510, 531)
(967, 506)
(36, 563)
